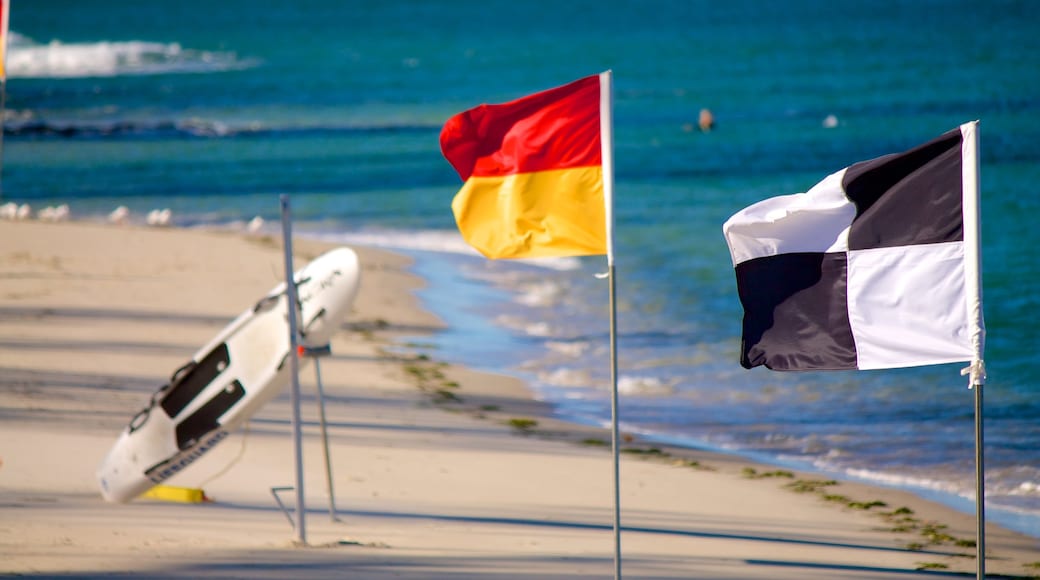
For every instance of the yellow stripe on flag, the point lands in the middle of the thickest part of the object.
(534, 215)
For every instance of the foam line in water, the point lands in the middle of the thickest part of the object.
(446, 241)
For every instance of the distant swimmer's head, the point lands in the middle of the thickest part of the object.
(706, 121)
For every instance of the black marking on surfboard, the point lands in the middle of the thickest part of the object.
(317, 316)
(204, 420)
(191, 383)
(167, 467)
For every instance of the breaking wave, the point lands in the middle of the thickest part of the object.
(56, 59)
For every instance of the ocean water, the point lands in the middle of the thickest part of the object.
(213, 109)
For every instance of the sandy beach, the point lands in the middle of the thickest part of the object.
(440, 472)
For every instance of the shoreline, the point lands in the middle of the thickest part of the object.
(94, 326)
(1023, 523)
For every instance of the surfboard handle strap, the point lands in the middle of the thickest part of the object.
(141, 417)
(267, 302)
(271, 299)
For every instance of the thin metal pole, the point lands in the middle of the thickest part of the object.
(980, 489)
(294, 365)
(324, 432)
(615, 440)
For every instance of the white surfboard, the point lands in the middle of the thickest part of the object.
(229, 379)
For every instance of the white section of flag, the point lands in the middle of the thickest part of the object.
(815, 221)
(906, 305)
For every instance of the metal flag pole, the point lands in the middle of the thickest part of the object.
(980, 489)
(606, 107)
(292, 303)
(614, 436)
(973, 279)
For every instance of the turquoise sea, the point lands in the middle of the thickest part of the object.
(213, 109)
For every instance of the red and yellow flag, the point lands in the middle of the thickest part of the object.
(5, 16)
(533, 173)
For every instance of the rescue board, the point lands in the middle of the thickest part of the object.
(228, 379)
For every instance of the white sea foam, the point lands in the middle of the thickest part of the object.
(902, 480)
(644, 386)
(542, 294)
(553, 263)
(1028, 488)
(538, 329)
(524, 325)
(566, 378)
(446, 241)
(57, 59)
(571, 349)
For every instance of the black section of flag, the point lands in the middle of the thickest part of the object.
(910, 198)
(795, 312)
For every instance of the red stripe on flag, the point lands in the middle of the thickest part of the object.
(554, 129)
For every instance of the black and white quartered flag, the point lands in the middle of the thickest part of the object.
(877, 266)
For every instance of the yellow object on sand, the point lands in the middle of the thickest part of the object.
(179, 494)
